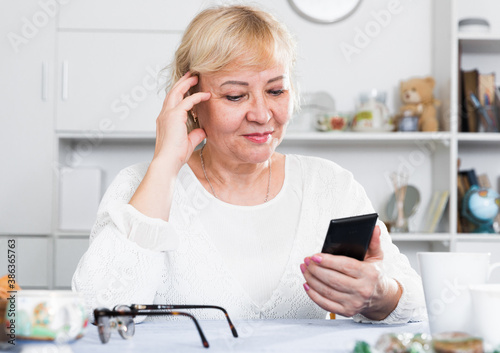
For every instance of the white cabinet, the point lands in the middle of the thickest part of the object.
(31, 260)
(109, 81)
(68, 252)
(150, 15)
(26, 116)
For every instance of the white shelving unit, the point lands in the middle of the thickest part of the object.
(480, 151)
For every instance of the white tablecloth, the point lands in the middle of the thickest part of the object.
(254, 336)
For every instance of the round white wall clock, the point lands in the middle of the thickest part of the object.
(324, 11)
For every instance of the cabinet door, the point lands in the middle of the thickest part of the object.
(26, 117)
(109, 80)
(33, 261)
(130, 14)
(67, 255)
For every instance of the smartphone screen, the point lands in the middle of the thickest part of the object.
(350, 236)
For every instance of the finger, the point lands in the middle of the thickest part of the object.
(175, 85)
(188, 77)
(343, 264)
(375, 252)
(328, 282)
(195, 137)
(189, 102)
(182, 79)
(325, 303)
(178, 92)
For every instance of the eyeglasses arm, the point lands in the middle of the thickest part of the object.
(170, 307)
(175, 313)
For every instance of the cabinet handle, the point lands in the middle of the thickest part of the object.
(65, 69)
(45, 74)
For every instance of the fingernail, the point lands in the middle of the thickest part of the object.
(317, 258)
(306, 286)
(307, 260)
(302, 268)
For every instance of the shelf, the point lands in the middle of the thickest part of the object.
(478, 137)
(72, 233)
(421, 237)
(479, 42)
(397, 137)
(481, 237)
(405, 137)
(465, 36)
(28, 235)
(99, 135)
(394, 236)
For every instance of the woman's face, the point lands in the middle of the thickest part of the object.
(246, 117)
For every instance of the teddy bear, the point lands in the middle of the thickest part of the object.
(418, 100)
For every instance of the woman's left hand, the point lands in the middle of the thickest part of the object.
(346, 286)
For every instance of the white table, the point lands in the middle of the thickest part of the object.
(254, 336)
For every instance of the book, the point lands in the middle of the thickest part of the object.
(483, 181)
(470, 84)
(486, 120)
(471, 178)
(465, 179)
(435, 210)
(461, 228)
(496, 102)
(486, 88)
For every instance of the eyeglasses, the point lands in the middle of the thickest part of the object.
(122, 318)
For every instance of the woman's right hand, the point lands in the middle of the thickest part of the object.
(172, 140)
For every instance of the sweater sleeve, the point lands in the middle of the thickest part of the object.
(341, 187)
(411, 306)
(125, 259)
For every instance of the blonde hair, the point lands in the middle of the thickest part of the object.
(232, 35)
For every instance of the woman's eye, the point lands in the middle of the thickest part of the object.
(276, 92)
(234, 98)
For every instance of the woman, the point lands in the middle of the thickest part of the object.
(235, 223)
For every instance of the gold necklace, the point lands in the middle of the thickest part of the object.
(212, 188)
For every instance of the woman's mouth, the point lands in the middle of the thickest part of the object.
(259, 137)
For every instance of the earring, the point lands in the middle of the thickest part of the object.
(195, 118)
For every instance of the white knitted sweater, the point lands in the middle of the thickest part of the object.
(136, 259)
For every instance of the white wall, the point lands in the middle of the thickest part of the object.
(399, 50)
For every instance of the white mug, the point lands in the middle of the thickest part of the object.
(486, 312)
(57, 315)
(446, 277)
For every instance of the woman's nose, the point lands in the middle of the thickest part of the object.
(259, 111)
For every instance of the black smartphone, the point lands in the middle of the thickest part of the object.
(350, 236)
